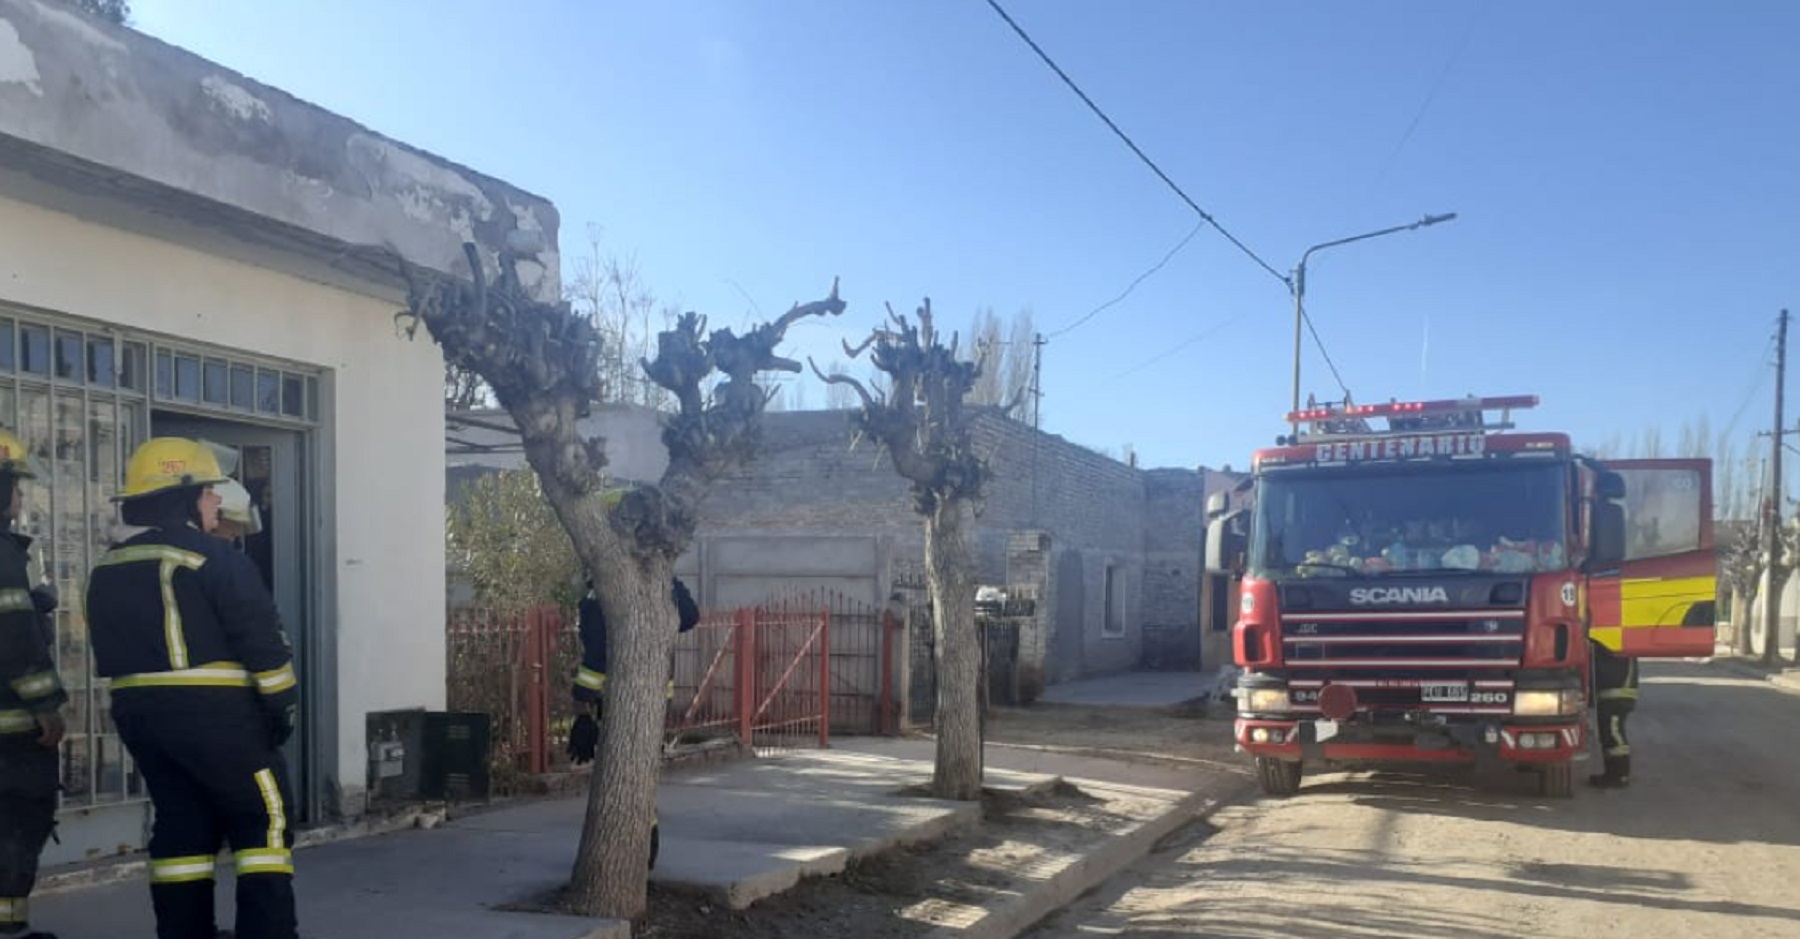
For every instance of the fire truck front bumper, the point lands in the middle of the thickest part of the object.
(1360, 740)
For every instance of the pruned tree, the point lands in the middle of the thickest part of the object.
(113, 11)
(542, 361)
(921, 422)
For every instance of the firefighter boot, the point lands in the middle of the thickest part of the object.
(1617, 775)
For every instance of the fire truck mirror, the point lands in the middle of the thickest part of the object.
(1226, 539)
(1610, 486)
(1607, 545)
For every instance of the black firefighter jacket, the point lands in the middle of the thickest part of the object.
(176, 608)
(29, 684)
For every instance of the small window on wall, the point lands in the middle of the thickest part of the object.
(187, 378)
(34, 346)
(132, 371)
(8, 360)
(215, 383)
(268, 392)
(243, 387)
(70, 364)
(1114, 624)
(165, 374)
(293, 395)
(100, 362)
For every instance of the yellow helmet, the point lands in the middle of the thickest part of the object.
(15, 459)
(163, 463)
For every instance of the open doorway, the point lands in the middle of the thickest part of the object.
(271, 465)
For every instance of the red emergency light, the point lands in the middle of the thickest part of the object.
(1413, 408)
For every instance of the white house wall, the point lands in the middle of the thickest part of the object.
(382, 421)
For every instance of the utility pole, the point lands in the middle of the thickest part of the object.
(1772, 540)
(1037, 407)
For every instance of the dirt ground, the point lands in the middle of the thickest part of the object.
(1706, 842)
(910, 891)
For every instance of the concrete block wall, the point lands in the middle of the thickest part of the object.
(1174, 500)
(809, 479)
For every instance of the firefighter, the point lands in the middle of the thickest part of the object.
(203, 694)
(1616, 691)
(590, 679)
(31, 700)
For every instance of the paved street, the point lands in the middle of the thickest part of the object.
(1706, 843)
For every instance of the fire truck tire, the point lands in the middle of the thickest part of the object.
(1278, 777)
(1557, 781)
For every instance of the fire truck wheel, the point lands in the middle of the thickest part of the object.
(1278, 777)
(1557, 781)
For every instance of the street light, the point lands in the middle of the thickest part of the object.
(1297, 284)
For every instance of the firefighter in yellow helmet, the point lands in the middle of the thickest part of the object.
(31, 700)
(590, 678)
(203, 694)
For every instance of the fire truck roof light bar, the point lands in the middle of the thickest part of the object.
(1413, 408)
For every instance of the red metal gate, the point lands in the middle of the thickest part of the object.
(782, 674)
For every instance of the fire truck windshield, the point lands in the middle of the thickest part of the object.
(1369, 521)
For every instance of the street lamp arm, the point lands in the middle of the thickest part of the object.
(1297, 286)
(1421, 223)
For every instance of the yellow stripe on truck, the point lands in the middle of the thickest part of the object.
(1663, 601)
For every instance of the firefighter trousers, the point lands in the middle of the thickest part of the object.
(214, 777)
(28, 786)
(1615, 746)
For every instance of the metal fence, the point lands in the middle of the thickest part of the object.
(784, 674)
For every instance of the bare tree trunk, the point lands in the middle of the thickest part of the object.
(614, 855)
(950, 569)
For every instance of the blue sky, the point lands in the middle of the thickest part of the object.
(1624, 174)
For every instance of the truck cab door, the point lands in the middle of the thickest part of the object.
(1659, 601)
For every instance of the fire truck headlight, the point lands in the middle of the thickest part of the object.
(1547, 703)
(1267, 700)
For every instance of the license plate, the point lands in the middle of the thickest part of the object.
(1442, 692)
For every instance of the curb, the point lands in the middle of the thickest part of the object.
(957, 818)
(1015, 915)
(101, 873)
(1784, 680)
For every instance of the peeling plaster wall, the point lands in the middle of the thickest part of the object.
(130, 103)
(383, 438)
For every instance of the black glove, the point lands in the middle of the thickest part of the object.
(44, 598)
(281, 725)
(584, 739)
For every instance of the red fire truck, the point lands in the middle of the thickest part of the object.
(1428, 591)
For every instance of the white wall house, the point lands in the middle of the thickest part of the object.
(186, 251)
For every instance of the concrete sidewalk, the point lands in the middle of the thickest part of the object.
(1787, 678)
(737, 831)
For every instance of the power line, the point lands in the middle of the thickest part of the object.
(1204, 215)
(1758, 376)
(1096, 311)
(1430, 96)
(1180, 346)
(1307, 317)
